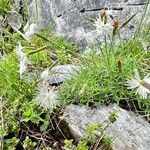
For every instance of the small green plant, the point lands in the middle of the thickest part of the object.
(58, 48)
(102, 77)
(11, 143)
(28, 144)
(113, 116)
(4, 6)
(82, 145)
(8, 40)
(94, 136)
(92, 131)
(68, 145)
(18, 93)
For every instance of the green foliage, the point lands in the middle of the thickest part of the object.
(107, 140)
(58, 48)
(102, 77)
(28, 144)
(11, 143)
(8, 41)
(94, 136)
(82, 145)
(18, 101)
(32, 113)
(68, 144)
(4, 6)
(99, 80)
(15, 93)
(19, 107)
(113, 116)
(92, 131)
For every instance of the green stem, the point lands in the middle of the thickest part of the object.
(38, 50)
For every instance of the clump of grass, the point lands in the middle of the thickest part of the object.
(4, 6)
(102, 77)
(99, 80)
(58, 48)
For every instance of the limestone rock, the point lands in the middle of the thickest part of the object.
(17, 4)
(14, 19)
(61, 72)
(129, 131)
(72, 18)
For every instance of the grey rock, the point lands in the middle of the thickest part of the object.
(14, 19)
(69, 21)
(17, 4)
(129, 131)
(60, 73)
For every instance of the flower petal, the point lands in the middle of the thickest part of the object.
(133, 83)
(147, 79)
(142, 91)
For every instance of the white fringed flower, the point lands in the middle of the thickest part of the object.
(19, 51)
(102, 28)
(23, 59)
(109, 12)
(30, 29)
(47, 98)
(22, 66)
(142, 86)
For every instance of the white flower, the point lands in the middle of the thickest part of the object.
(30, 30)
(23, 59)
(142, 86)
(22, 66)
(102, 28)
(47, 98)
(45, 74)
(19, 51)
(109, 12)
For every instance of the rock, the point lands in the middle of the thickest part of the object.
(129, 131)
(14, 19)
(70, 18)
(17, 4)
(61, 72)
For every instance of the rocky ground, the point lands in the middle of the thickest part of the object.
(73, 19)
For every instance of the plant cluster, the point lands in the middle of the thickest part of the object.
(4, 6)
(20, 69)
(94, 136)
(28, 105)
(107, 76)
